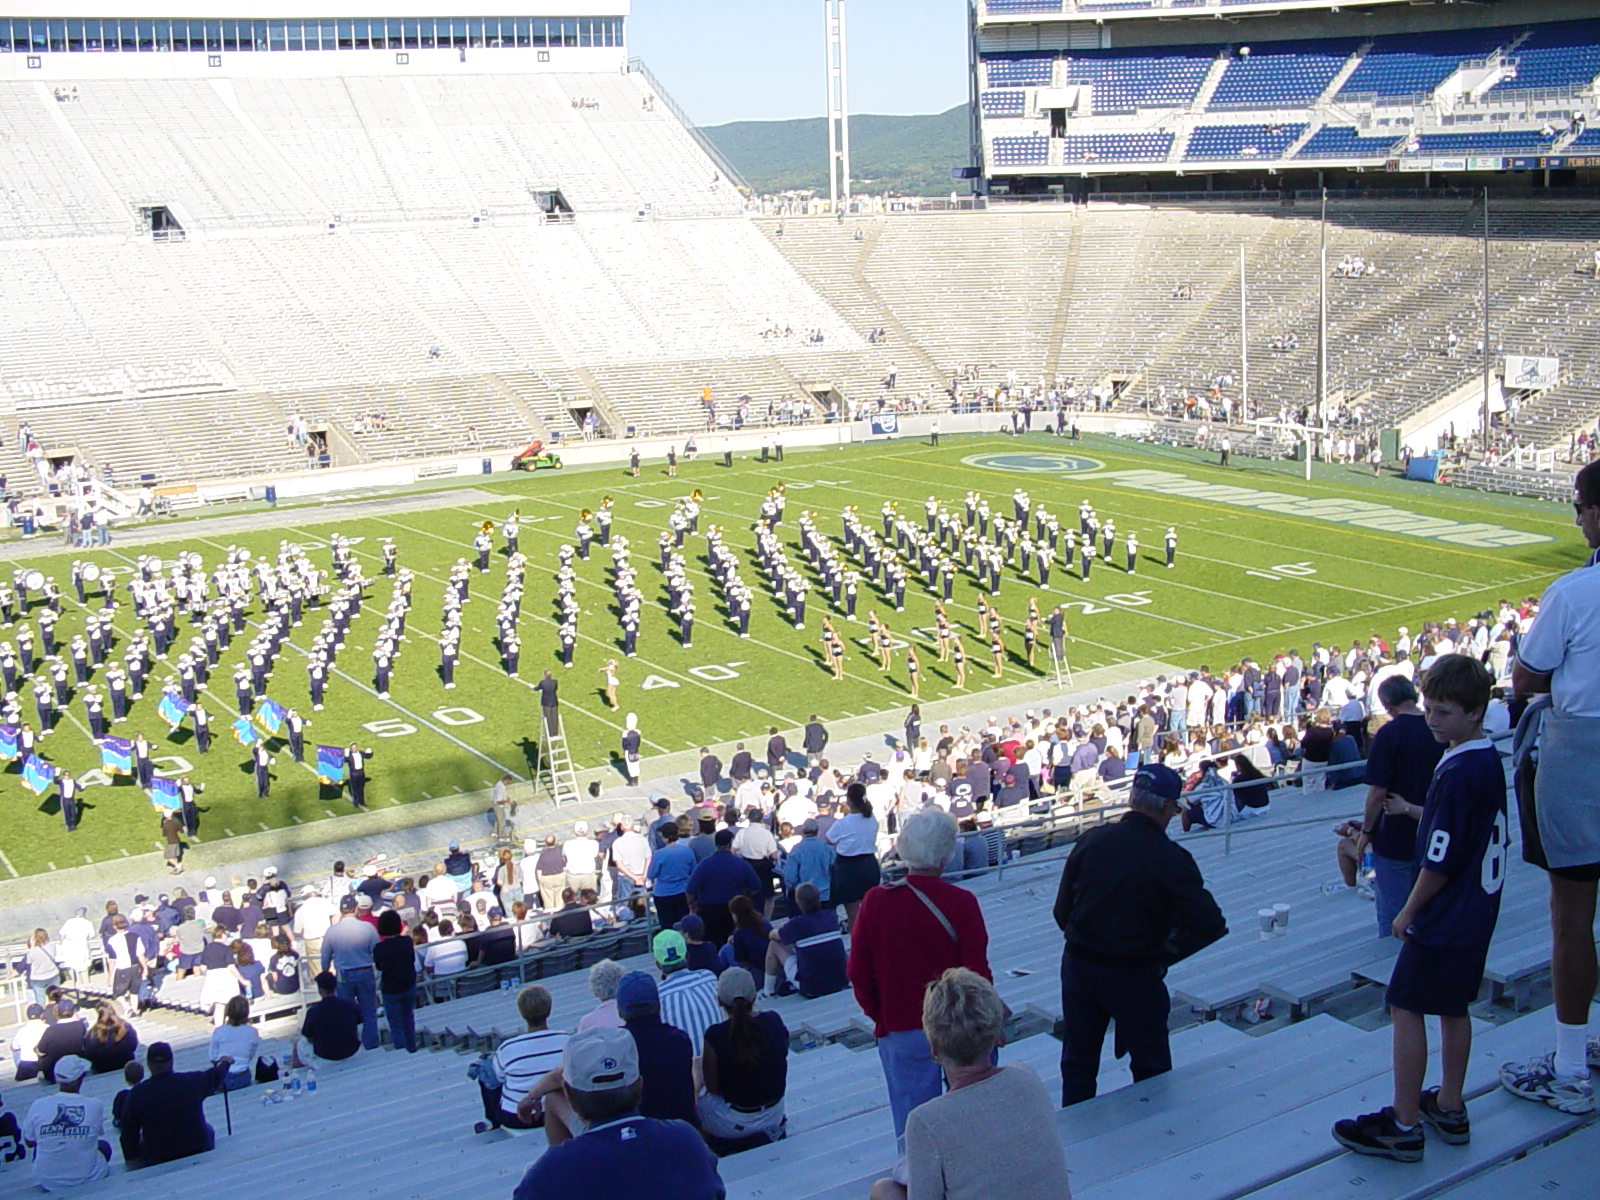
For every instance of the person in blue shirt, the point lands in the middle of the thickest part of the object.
(715, 882)
(807, 951)
(1445, 924)
(668, 875)
(632, 1157)
(810, 861)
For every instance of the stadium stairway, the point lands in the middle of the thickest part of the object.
(1245, 1121)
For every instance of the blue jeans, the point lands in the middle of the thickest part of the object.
(1391, 884)
(910, 1074)
(401, 1009)
(361, 985)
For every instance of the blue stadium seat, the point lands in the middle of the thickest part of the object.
(1504, 141)
(1116, 147)
(1128, 80)
(1342, 141)
(1004, 103)
(1000, 7)
(1242, 141)
(1032, 150)
(1012, 70)
(1588, 140)
(1281, 74)
(1556, 56)
(1420, 62)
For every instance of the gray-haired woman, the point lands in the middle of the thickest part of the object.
(603, 979)
(963, 1017)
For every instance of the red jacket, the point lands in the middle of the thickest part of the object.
(898, 947)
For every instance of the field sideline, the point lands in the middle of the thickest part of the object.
(1249, 580)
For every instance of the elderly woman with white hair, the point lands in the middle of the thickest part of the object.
(603, 979)
(907, 934)
(963, 1019)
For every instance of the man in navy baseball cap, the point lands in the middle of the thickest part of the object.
(1131, 904)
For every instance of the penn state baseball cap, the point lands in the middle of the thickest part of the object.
(1159, 780)
(601, 1060)
(72, 1067)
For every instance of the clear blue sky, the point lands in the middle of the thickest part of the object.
(749, 60)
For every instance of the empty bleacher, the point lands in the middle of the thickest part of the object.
(1563, 55)
(1241, 141)
(1344, 141)
(1280, 74)
(1131, 80)
(1408, 64)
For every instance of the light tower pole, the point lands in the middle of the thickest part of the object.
(838, 110)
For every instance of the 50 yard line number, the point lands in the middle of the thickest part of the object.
(394, 727)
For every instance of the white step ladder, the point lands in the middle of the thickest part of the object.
(556, 774)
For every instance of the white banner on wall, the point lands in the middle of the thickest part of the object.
(1527, 372)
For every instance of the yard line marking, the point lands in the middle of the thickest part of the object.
(51, 865)
(475, 625)
(715, 625)
(227, 831)
(265, 828)
(394, 704)
(662, 669)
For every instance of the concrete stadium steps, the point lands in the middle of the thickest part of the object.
(1564, 1168)
(175, 437)
(827, 253)
(1250, 1123)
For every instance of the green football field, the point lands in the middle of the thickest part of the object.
(1265, 561)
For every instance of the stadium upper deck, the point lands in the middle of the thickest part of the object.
(1439, 94)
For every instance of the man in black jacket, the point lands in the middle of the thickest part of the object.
(1131, 904)
(164, 1118)
(816, 739)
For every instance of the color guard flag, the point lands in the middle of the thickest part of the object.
(116, 756)
(246, 733)
(9, 742)
(272, 714)
(173, 708)
(164, 794)
(37, 775)
(330, 764)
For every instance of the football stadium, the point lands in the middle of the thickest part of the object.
(497, 612)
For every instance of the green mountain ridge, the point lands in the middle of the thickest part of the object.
(911, 155)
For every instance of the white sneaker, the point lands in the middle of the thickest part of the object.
(1536, 1079)
(1365, 892)
(1337, 889)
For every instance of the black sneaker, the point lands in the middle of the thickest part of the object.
(1378, 1135)
(1452, 1126)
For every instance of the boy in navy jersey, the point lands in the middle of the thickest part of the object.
(1446, 922)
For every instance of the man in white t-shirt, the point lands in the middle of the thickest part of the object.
(582, 853)
(630, 860)
(67, 1132)
(796, 810)
(441, 890)
(312, 918)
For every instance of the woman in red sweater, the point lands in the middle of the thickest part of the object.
(906, 935)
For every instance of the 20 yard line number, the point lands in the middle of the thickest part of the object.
(391, 727)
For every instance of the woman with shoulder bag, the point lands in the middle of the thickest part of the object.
(40, 966)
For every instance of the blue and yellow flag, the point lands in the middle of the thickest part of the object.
(10, 746)
(272, 715)
(164, 794)
(245, 733)
(116, 756)
(173, 708)
(330, 764)
(37, 775)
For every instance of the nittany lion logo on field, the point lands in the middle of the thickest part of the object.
(1034, 462)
